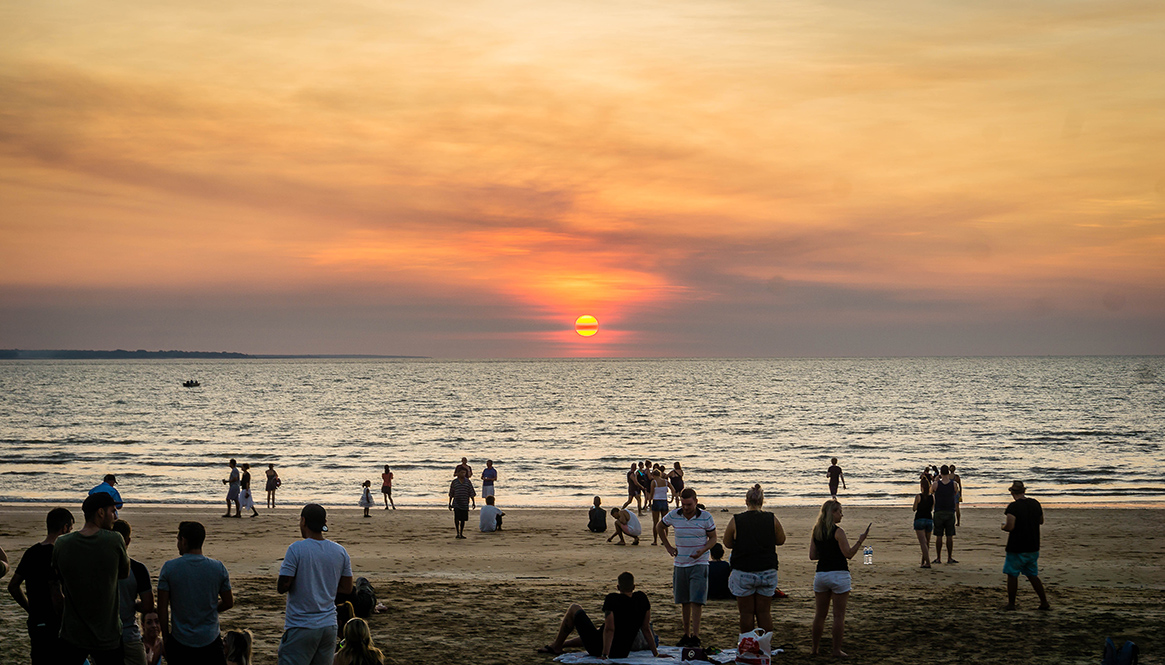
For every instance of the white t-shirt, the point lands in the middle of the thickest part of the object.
(317, 566)
(489, 518)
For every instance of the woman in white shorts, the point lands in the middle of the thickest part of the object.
(832, 552)
(754, 536)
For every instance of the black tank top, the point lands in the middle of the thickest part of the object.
(925, 505)
(755, 547)
(829, 556)
(944, 496)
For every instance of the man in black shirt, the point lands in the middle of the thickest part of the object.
(597, 517)
(626, 613)
(1024, 517)
(35, 570)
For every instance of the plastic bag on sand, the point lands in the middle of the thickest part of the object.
(755, 648)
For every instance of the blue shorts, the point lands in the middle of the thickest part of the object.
(690, 584)
(1021, 563)
(923, 524)
(659, 506)
(761, 582)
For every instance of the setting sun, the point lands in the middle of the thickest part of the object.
(586, 325)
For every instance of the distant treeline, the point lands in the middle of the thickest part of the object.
(119, 354)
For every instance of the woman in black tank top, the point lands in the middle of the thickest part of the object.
(832, 552)
(753, 537)
(924, 516)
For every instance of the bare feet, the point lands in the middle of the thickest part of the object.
(549, 648)
(1044, 607)
(951, 561)
(1009, 608)
(840, 654)
(620, 543)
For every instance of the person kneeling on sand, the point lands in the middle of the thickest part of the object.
(491, 516)
(625, 523)
(626, 615)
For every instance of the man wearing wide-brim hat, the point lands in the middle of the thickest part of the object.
(1024, 517)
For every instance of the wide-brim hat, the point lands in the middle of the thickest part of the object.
(1017, 487)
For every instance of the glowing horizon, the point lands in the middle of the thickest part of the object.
(457, 181)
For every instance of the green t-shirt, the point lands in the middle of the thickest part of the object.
(88, 568)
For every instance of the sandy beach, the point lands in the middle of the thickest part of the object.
(494, 598)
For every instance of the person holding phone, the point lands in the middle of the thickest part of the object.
(831, 550)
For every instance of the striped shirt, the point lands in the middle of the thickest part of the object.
(691, 535)
(460, 491)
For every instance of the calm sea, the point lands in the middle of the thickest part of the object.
(560, 431)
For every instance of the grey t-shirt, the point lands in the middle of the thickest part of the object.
(194, 582)
(129, 590)
(317, 566)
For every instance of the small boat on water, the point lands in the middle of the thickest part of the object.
(190, 383)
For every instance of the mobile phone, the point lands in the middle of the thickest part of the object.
(868, 527)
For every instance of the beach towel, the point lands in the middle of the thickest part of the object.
(645, 657)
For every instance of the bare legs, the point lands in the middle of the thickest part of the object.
(564, 630)
(1013, 588)
(924, 545)
(839, 601)
(655, 517)
(755, 611)
(638, 502)
(270, 498)
(938, 549)
(691, 612)
(387, 498)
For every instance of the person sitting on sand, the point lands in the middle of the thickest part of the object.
(718, 572)
(1024, 517)
(625, 523)
(152, 638)
(356, 648)
(236, 646)
(597, 517)
(491, 516)
(625, 615)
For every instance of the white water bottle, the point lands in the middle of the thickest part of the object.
(868, 556)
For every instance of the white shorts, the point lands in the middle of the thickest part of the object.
(837, 581)
(487, 490)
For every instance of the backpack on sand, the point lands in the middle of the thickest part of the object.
(1126, 655)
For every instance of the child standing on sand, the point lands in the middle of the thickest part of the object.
(366, 498)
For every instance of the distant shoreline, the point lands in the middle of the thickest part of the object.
(142, 354)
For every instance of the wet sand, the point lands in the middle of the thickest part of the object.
(494, 598)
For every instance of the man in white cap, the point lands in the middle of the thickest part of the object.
(1024, 517)
(314, 571)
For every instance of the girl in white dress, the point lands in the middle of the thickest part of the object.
(366, 498)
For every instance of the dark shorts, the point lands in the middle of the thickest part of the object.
(659, 505)
(632, 490)
(944, 523)
(71, 654)
(923, 524)
(386, 489)
(592, 637)
(180, 654)
(461, 514)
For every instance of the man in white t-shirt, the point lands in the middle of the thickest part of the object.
(491, 516)
(314, 570)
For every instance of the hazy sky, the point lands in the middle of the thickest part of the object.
(464, 179)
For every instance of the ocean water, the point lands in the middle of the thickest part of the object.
(1086, 429)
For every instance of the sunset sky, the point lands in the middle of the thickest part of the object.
(465, 179)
